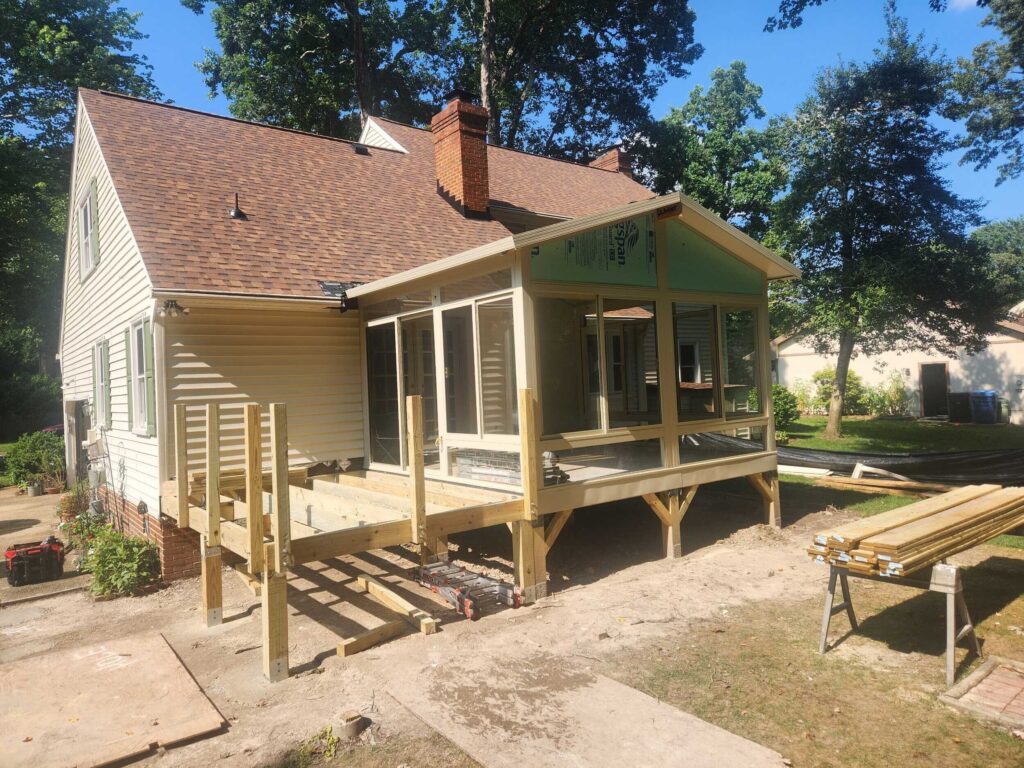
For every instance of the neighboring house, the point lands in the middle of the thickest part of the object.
(417, 262)
(928, 377)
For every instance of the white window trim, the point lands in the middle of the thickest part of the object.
(140, 391)
(101, 382)
(85, 239)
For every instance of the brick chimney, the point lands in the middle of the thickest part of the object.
(460, 153)
(614, 160)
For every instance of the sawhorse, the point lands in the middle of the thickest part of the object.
(945, 579)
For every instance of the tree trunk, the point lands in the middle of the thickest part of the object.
(834, 427)
(364, 91)
(487, 73)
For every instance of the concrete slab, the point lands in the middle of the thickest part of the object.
(100, 704)
(544, 713)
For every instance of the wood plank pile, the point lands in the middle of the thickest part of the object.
(906, 540)
(884, 485)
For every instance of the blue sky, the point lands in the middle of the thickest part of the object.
(784, 63)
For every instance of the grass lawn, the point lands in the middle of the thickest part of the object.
(871, 435)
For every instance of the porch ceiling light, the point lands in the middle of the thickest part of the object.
(171, 308)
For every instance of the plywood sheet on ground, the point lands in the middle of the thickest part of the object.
(99, 704)
(544, 713)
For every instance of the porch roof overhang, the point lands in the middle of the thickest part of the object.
(672, 205)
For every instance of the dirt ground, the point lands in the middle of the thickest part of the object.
(727, 632)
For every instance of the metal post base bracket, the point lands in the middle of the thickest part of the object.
(945, 579)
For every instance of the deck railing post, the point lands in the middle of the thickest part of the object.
(254, 485)
(277, 554)
(529, 551)
(212, 565)
(417, 482)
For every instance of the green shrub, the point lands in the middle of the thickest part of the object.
(854, 404)
(784, 406)
(890, 398)
(804, 393)
(37, 456)
(120, 564)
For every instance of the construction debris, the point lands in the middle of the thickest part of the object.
(468, 592)
(886, 486)
(906, 540)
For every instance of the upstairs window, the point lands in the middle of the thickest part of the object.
(88, 240)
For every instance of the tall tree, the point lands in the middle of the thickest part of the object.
(325, 65)
(990, 89)
(878, 233)
(48, 49)
(1003, 241)
(709, 150)
(571, 77)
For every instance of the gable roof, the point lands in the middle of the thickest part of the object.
(316, 209)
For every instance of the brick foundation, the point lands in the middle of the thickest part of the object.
(178, 547)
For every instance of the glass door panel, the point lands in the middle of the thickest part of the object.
(418, 377)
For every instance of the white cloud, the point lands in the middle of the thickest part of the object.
(963, 5)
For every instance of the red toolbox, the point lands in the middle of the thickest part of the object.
(32, 563)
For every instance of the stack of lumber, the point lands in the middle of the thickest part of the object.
(906, 540)
(884, 485)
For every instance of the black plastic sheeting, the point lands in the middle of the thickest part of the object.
(1005, 467)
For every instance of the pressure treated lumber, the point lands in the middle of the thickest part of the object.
(417, 617)
(254, 485)
(372, 637)
(849, 535)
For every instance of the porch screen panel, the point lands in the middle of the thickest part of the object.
(382, 394)
(569, 361)
(631, 363)
(696, 364)
(707, 446)
(742, 365)
(459, 370)
(420, 377)
(498, 368)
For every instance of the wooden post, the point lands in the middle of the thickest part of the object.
(280, 515)
(254, 486)
(529, 550)
(671, 517)
(767, 485)
(529, 465)
(417, 483)
(530, 555)
(211, 567)
(181, 463)
(439, 548)
(274, 601)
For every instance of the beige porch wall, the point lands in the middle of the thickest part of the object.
(308, 358)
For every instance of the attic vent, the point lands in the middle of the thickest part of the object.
(361, 149)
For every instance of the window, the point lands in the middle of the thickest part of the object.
(101, 384)
(139, 376)
(382, 395)
(689, 362)
(569, 365)
(498, 393)
(614, 363)
(696, 390)
(86, 222)
(631, 362)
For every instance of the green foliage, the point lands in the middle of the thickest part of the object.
(803, 390)
(708, 149)
(37, 456)
(791, 12)
(556, 72)
(48, 49)
(784, 405)
(890, 398)
(119, 564)
(27, 403)
(885, 257)
(855, 402)
(1003, 241)
(990, 90)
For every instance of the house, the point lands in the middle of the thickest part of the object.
(393, 340)
(928, 377)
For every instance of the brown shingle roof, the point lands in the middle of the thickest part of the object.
(317, 210)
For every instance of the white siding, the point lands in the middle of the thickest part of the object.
(308, 359)
(999, 367)
(103, 306)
